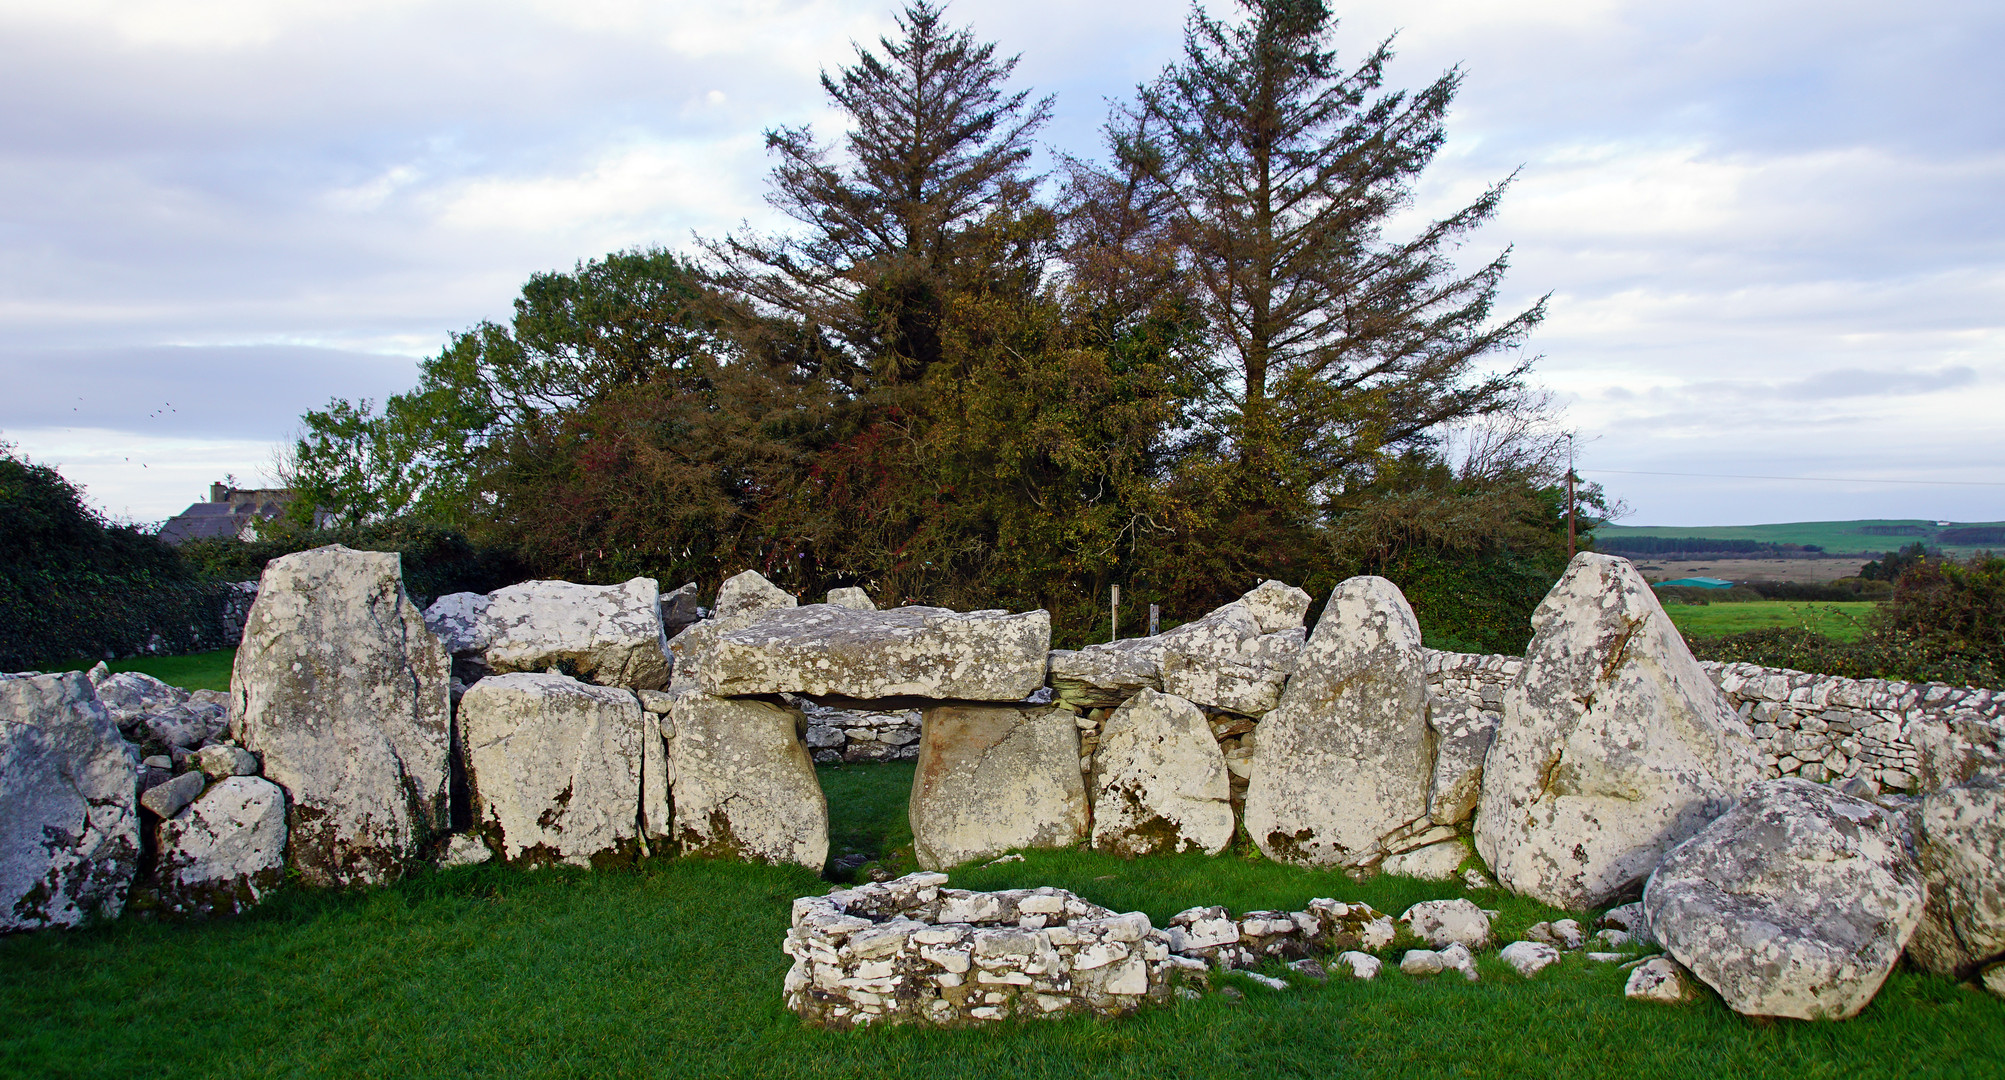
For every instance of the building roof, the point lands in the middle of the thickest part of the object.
(229, 514)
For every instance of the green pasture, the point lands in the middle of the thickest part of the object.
(1840, 621)
(1841, 537)
(196, 671)
(673, 968)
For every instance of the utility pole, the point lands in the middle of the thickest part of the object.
(1114, 617)
(1570, 543)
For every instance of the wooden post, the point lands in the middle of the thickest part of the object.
(1114, 617)
(1569, 499)
(1155, 619)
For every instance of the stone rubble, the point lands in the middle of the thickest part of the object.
(1529, 957)
(1441, 923)
(1662, 980)
(864, 734)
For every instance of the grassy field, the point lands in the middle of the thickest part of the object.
(673, 968)
(196, 671)
(1843, 621)
(1832, 536)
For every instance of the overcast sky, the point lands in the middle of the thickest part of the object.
(1772, 230)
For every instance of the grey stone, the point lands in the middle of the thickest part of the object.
(607, 634)
(743, 785)
(1441, 923)
(1795, 903)
(1614, 745)
(1529, 957)
(1107, 674)
(1159, 780)
(1962, 856)
(1342, 765)
(129, 696)
(749, 593)
(345, 696)
(464, 849)
(1225, 661)
(1435, 862)
(69, 819)
(992, 778)
(553, 767)
(1360, 965)
(460, 621)
(169, 798)
(1660, 980)
(679, 609)
(1462, 739)
(226, 850)
(910, 651)
(851, 597)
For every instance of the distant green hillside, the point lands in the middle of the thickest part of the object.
(1871, 535)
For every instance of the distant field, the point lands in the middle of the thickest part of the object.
(1797, 570)
(1832, 536)
(197, 671)
(1845, 622)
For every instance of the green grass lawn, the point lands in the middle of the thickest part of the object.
(1842, 621)
(673, 968)
(196, 671)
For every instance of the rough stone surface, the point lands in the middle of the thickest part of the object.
(464, 849)
(553, 767)
(1277, 607)
(184, 727)
(168, 799)
(1160, 781)
(991, 778)
(749, 593)
(743, 785)
(129, 696)
(606, 634)
(1225, 660)
(1614, 745)
(223, 759)
(911, 952)
(679, 609)
(1529, 957)
(1107, 674)
(460, 621)
(1462, 736)
(1421, 962)
(1661, 980)
(1435, 862)
(1629, 919)
(1962, 855)
(345, 696)
(1441, 923)
(1360, 965)
(1795, 903)
(224, 852)
(911, 651)
(1559, 933)
(69, 818)
(861, 734)
(849, 596)
(1342, 765)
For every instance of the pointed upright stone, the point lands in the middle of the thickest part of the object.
(1614, 745)
(1239, 656)
(1160, 783)
(346, 695)
(1343, 764)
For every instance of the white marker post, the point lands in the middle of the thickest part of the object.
(1114, 617)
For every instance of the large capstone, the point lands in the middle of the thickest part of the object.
(606, 634)
(226, 851)
(554, 767)
(1797, 902)
(69, 814)
(345, 694)
(743, 785)
(1238, 657)
(1614, 745)
(742, 600)
(1160, 783)
(992, 778)
(1342, 766)
(910, 651)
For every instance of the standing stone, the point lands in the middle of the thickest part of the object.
(1614, 745)
(1962, 854)
(553, 767)
(992, 778)
(1160, 781)
(606, 634)
(345, 695)
(851, 597)
(744, 786)
(69, 814)
(1238, 657)
(917, 651)
(223, 853)
(1343, 764)
(1462, 735)
(1797, 902)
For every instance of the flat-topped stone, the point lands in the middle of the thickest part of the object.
(918, 651)
(607, 634)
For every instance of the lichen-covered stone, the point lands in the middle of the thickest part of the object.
(606, 634)
(1435, 862)
(1107, 674)
(1962, 855)
(460, 621)
(1462, 736)
(1160, 781)
(910, 651)
(1441, 923)
(130, 696)
(1342, 766)
(995, 777)
(69, 817)
(743, 784)
(226, 851)
(1797, 902)
(554, 766)
(1660, 980)
(1614, 745)
(1528, 958)
(345, 695)
(851, 597)
(749, 593)
(1227, 660)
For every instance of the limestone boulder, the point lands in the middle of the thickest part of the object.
(679, 609)
(1435, 862)
(749, 593)
(741, 601)
(1797, 902)
(184, 727)
(915, 651)
(1962, 856)
(1614, 745)
(605, 634)
(1343, 764)
(991, 778)
(849, 596)
(1662, 981)
(130, 696)
(226, 851)
(69, 814)
(1107, 674)
(743, 784)
(1442, 923)
(1230, 659)
(1529, 958)
(554, 767)
(460, 621)
(1462, 736)
(345, 696)
(1160, 783)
